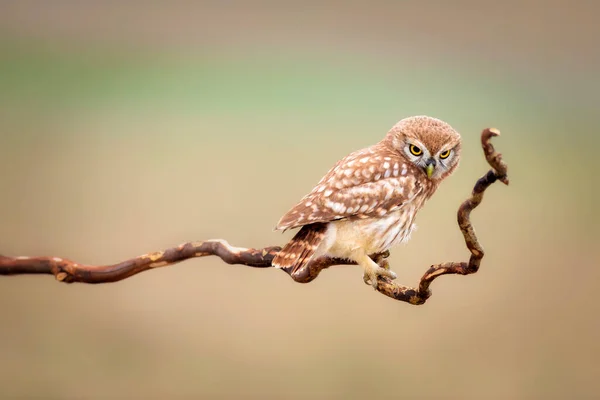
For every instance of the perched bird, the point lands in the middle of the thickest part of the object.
(368, 201)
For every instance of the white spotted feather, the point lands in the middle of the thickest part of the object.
(369, 187)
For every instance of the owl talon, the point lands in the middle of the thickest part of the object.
(371, 276)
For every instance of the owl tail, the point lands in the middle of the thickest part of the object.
(298, 252)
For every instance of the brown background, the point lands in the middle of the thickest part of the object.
(131, 128)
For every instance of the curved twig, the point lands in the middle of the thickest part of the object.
(68, 271)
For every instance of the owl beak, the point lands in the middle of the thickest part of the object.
(429, 167)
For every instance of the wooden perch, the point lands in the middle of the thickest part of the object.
(68, 271)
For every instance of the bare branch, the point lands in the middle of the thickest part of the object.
(68, 271)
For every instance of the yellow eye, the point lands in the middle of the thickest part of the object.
(445, 154)
(415, 150)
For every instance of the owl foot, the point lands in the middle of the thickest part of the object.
(373, 273)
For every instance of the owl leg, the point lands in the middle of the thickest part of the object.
(372, 271)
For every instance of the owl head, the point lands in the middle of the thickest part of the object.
(428, 143)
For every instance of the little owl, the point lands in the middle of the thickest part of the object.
(368, 201)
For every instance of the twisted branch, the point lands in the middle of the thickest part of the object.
(69, 271)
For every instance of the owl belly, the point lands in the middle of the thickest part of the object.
(373, 235)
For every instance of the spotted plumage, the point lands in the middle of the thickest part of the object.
(368, 201)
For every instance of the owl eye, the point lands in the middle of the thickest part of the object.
(415, 150)
(445, 154)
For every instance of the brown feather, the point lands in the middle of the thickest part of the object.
(298, 252)
(367, 183)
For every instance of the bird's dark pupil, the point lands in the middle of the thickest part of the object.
(416, 149)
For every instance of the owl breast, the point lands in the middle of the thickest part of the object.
(391, 230)
(374, 235)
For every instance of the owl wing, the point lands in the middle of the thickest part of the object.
(366, 183)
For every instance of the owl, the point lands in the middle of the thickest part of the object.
(368, 201)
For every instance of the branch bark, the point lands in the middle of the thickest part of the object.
(69, 271)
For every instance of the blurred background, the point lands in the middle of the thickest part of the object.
(129, 128)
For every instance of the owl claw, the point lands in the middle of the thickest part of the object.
(371, 275)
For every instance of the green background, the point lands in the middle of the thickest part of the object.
(126, 129)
